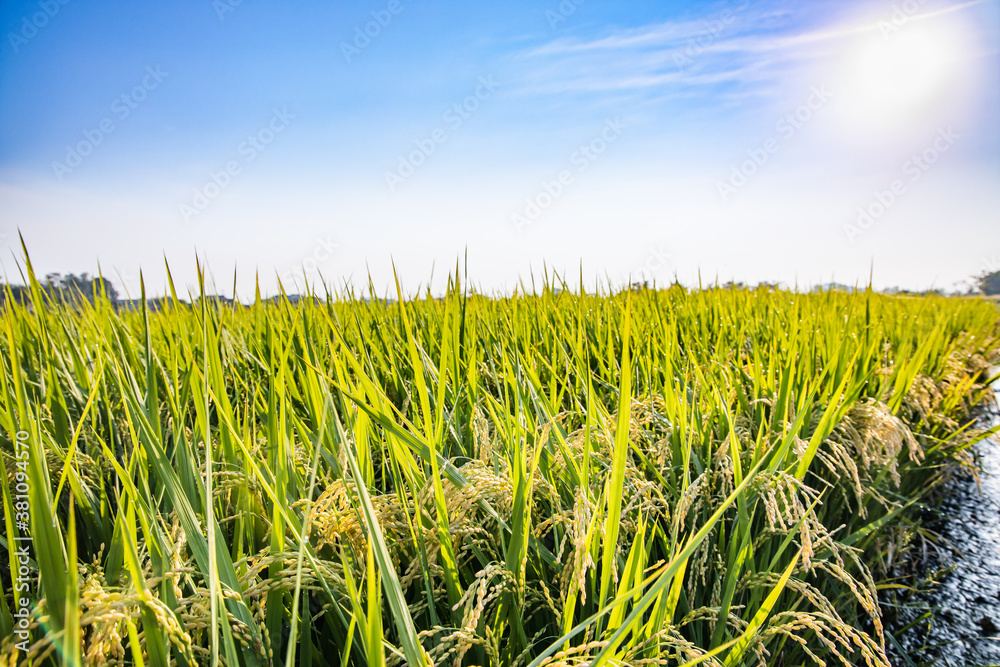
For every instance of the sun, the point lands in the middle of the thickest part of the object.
(898, 78)
(904, 71)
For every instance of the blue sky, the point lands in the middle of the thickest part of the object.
(745, 140)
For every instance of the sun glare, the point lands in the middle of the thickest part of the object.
(900, 77)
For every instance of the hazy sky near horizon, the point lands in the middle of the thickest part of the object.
(744, 140)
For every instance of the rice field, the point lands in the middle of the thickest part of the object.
(646, 477)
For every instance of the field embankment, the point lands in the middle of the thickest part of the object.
(656, 477)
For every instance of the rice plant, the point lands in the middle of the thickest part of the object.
(645, 477)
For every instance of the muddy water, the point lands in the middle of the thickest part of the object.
(965, 628)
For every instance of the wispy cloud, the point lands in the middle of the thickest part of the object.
(738, 51)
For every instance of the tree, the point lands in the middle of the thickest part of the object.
(71, 287)
(989, 283)
(19, 293)
(104, 285)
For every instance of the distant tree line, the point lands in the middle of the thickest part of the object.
(70, 288)
(64, 289)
